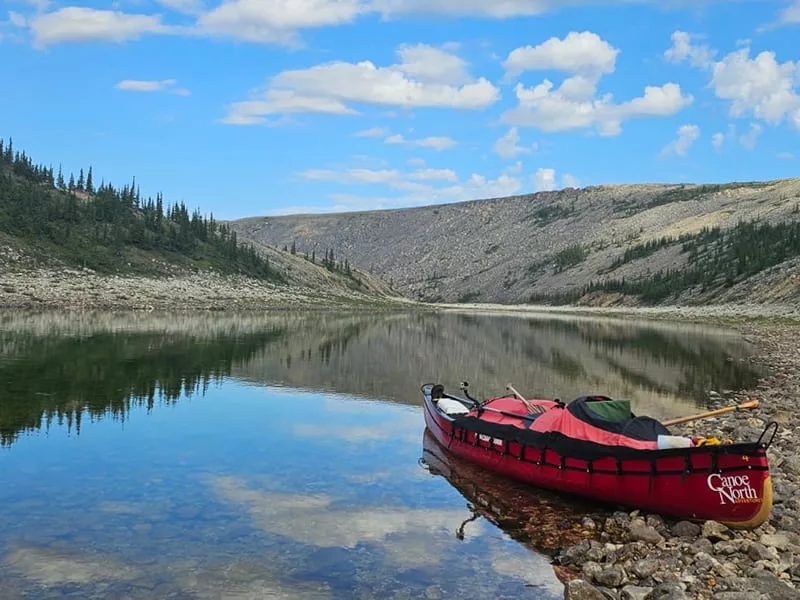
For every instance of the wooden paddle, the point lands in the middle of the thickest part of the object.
(531, 407)
(713, 413)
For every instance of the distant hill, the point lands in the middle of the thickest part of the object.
(615, 244)
(52, 220)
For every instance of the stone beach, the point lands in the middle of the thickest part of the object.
(631, 555)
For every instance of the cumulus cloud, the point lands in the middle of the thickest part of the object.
(507, 146)
(717, 140)
(683, 50)
(276, 22)
(575, 104)
(81, 24)
(687, 135)
(332, 87)
(163, 85)
(544, 180)
(562, 109)
(759, 86)
(584, 52)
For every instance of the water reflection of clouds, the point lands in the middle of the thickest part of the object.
(408, 538)
(313, 520)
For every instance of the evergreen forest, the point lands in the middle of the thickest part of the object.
(79, 222)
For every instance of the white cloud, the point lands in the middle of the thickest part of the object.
(416, 162)
(786, 156)
(570, 181)
(475, 187)
(433, 65)
(507, 146)
(254, 112)
(417, 187)
(544, 180)
(683, 50)
(276, 21)
(438, 143)
(687, 135)
(189, 7)
(584, 53)
(749, 139)
(564, 109)
(497, 9)
(79, 24)
(16, 19)
(164, 85)
(352, 175)
(717, 140)
(331, 86)
(434, 175)
(390, 177)
(791, 14)
(373, 132)
(575, 104)
(759, 87)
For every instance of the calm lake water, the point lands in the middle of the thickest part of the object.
(284, 456)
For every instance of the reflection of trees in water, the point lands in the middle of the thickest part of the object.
(109, 365)
(59, 379)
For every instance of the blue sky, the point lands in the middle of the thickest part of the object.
(257, 107)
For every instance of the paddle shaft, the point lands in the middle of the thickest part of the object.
(713, 413)
(531, 407)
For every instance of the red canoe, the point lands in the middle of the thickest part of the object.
(595, 447)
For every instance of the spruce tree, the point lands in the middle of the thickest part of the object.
(81, 181)
(89, 182)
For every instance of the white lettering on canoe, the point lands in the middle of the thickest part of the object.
(735, 489)
(485, 438)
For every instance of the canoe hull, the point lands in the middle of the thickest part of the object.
(728, 483)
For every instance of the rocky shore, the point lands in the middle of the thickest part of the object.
(638, 556)
(82, 289)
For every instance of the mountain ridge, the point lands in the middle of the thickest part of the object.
(553, 246)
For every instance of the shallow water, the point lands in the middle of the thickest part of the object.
(230, 456)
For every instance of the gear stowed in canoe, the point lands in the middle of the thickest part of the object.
(596, 447)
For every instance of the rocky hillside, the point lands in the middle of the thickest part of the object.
(625, 244)
(67, 241)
